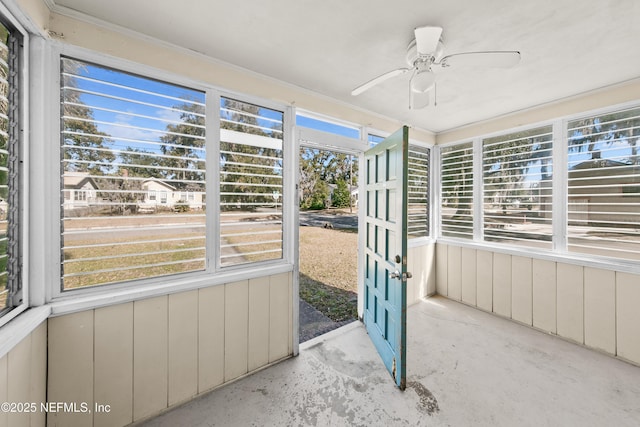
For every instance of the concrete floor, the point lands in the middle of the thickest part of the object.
(465, 368)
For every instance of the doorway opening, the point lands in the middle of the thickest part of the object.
(328, 240)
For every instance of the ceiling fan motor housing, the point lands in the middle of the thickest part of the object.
(414, 59)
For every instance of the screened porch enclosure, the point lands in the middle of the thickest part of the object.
(134, 194)
(149, 231)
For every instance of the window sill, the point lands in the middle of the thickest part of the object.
(615, 264)
(21, 326)
(72, 302)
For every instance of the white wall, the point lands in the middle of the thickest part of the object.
(421, 265)
(590, 306)
(23, 376)
(606, 97)
(145, 356)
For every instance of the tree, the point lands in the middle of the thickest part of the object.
(141, 163)
(123, 193)
(85, 147)
(457, 178)
(326, 166)
(320, 196)
(250, 173)
(341, 197)
(183, 148)
(590, 134)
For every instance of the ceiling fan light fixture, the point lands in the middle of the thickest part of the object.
(423, 81)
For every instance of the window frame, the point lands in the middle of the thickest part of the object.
(566, 174)
(476, 229)
(558, 251)
(92, 296)
(9, 19)
(485, 142)
(287, 169)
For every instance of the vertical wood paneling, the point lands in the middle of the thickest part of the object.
(441, 269)
(468, 276)
(114, 364)
(210, 337)
(38, 361)
(430, 273)
(259, 302)
(454, 271)
(484, 281)
(521, 289)
(150, 339)
(628, 316)
(570, 297)
(544, 295)
(183, 347)
(600, 309)
(236, 314)
(280, 322)
(502, 284)
(4, 389)
(71, 366)
(18, 379)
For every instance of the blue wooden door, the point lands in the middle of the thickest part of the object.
(385, 277)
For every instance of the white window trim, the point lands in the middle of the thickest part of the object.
(329, 120)
(430, 238)
(558, 252)
(25, 96)
(108, 294)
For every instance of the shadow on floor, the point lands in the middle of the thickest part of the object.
(313, 323)
(465, 368)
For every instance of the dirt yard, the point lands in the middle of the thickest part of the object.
(329, 271)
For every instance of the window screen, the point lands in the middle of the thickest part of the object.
(456, 178)
(131, 147)
(251, 182)
(10, 244)
(604, 184)
(418, 191)
(517, 184)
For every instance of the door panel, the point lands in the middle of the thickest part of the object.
(385, 287)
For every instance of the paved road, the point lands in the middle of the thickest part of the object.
(337, 219)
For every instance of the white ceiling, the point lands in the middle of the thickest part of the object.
(568, 46)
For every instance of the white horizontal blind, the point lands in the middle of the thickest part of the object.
(251, 183)
(604, 184)
(133, 175)
(10, 244)
(517, 186)
(418, 191)
(456, 175)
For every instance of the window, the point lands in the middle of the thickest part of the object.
(251, 182)
(456, 166)
(125, 137)
(10, 169)
(330, 126)
(81, 195)
(597, 204)
(418, 191)
(516, 182)
(374, 139)
(603, 184)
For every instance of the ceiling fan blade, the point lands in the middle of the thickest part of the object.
(427, 39)
(500, 59)
(371, 83)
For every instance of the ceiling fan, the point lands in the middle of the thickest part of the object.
(424, 53)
